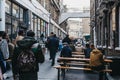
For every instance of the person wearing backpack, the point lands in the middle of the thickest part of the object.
(26, 57)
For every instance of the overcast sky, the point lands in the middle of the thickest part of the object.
(77, 3)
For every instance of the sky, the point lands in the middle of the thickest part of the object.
(77, 3)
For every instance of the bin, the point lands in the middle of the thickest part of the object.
(115, 66)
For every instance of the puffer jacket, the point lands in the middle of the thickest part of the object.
(26, 43)
(4, 48)
(96, 58)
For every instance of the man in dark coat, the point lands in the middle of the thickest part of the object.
(53, 47)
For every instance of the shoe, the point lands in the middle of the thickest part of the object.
(5, 76)
(50, 58)
(52, 64)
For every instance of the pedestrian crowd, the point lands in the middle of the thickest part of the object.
(24, 54)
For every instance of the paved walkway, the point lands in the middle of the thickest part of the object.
(47, 72)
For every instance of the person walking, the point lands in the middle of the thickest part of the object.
(26, 58)
(47, 45)
(53, 47)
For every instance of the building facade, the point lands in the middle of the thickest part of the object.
(28, 15)
(105, 20)
(74, 28)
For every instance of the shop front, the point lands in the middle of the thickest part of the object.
(16, 18)
(39, 26)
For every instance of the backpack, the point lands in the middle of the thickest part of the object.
(26, 61)
(36, 48)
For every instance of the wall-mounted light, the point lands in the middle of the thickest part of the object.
(0, 19)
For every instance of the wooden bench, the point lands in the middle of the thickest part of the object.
(78, 56)
(76, 64)
(65, 61)
(80, 59)
(76, 68)
(78, 53)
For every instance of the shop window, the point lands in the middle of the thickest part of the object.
(21, 14)
(42, 28)
(8, 7)
(38, 31)
(15, 11)
(33, 21)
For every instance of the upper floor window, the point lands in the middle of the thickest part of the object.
(8, 7)
(15, 11)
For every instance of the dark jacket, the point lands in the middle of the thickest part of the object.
(26, 43)
(66, 52)
(53, 43)
(66, 39)
(87, 52)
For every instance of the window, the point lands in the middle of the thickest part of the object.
(42, 26)
(21, 14)
(15, 11)
(8, 7)
(110, 28)
(38, 31)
